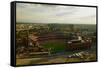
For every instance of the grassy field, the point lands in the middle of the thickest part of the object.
(55, 45)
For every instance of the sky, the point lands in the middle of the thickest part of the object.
(43, 13)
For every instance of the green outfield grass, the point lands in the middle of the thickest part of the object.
(55, 46)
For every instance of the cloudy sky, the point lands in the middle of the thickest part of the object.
(42, 13)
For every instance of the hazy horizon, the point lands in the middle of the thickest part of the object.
(42, 13)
